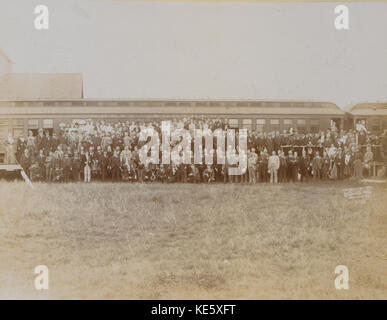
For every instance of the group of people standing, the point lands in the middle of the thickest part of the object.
(293, 167)
(103, 151)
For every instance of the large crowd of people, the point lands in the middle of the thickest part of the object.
(102, 151)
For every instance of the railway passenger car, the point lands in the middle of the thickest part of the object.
(17, 117)
(372, 115)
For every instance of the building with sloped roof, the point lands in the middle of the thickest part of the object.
(22, 86)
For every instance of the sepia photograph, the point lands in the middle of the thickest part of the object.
(193, 150)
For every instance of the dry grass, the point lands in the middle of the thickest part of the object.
(179, 241)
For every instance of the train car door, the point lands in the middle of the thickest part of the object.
(33, 125)
(48, 125)
(18, 128)
(3, 152)
(335, 124)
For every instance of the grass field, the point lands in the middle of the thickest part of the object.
(179, 241)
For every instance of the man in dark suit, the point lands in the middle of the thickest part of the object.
(339, 160)
(41, 160)
(104, 164)
(67, 164)
(76, 167)
(293, 166)
(317, 165)
(263, 161)
(26, 161)
(45, 143)
(115, 163)
(303, 165)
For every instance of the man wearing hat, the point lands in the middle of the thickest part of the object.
(283, 167)
(273, 166)
(317, 164)
(115, 166)
(339, 160)
(263, 161)
(20, 147)
(252, 166)
(39, 139)
(67, 165)
(54, 142)
(26, 161)
(76, 166)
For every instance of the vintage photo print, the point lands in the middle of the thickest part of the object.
(193, 150)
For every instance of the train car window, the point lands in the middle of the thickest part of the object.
(17, 132)
(48, 125)
(233, 123)
(260, 125)
(274, 125)
(247, 124)
(3, 129)
(33, 125)
(288, 123)
(17, 128)
(308, 105)
(7, 103)
(361, 121)
(77, 122)
(301, 125)
(18, 122)
(2, 151)
(375, 125)
(314, 125)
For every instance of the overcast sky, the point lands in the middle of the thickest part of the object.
(204, 50)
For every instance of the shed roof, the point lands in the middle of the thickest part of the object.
(22, 86)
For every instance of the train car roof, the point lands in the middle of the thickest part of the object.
(369, 109)
(180, 106)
